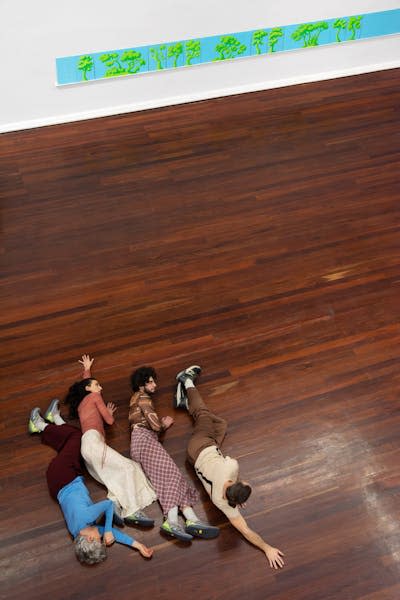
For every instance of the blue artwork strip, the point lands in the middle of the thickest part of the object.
(172, 55)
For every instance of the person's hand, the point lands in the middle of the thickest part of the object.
(144, 550)
(111, 408)
(274, 557)
(108, 538)
(86, 361)
(167, 422)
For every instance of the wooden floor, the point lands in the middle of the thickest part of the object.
(258, 236)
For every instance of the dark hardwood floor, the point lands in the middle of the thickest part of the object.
(258, 236)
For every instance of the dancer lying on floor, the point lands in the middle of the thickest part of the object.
(124, 479)
(173, 491)
(66, 485)
(219, 474)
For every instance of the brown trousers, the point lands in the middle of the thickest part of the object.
(209, 430)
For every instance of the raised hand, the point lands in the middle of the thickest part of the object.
(86, 362)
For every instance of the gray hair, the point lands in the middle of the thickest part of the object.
(89, 553)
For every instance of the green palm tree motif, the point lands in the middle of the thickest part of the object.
(134, 59)
(339, 24)
(159, 55)
(111, 60)
(175, 51)
(229, 47)
(115, 72)
(274, 36)
(192, 50)
(85, 65)
(258, 39)
(354, 24)
(309, 33)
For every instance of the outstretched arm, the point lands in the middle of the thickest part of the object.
(86, 362)
(115, 535)
(273, 555)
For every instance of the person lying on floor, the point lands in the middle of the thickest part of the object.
(124, 479)
(66, 485)
(173, 491)
(219, 474)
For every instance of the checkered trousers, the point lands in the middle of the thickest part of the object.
(170, 485)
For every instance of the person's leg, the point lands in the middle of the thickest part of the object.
(209, 430)
(124, 479)
(66, 466)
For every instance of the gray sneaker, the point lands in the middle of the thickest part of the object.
(180, 398)
(51, 410)
(191, 373)
(201, 530)
(176, 531)
(36, 423)
(139, 518)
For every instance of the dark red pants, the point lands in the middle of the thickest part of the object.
(64, 467)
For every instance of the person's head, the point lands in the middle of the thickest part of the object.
(77, 393)
(237, 493)
(89, 548)
(144, 379)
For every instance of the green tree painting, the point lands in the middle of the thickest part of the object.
(229, 47)
(85, 65)
(309, 33)
(112, 61)
(175, 51)
(350, 25)
(353, 25)
(159, 55)
(258, 40)
(340, 25)
(192, 50)
(115, 72)
(134, 59)
(274, 35)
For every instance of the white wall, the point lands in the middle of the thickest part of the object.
(35, 33)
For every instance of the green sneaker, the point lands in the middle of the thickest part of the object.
(53, 408)
(176, 531)
(36, 423)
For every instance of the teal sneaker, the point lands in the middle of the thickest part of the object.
(201, 530)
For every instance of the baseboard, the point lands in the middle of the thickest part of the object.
(208, 95)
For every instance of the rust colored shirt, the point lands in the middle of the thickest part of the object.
(93, 412)
(142, 413)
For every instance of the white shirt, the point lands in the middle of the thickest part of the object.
(214, 470)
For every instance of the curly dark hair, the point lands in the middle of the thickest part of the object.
(141, 376)
(237, 493)
(76, 394)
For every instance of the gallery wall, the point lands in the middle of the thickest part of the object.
(38, 33)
